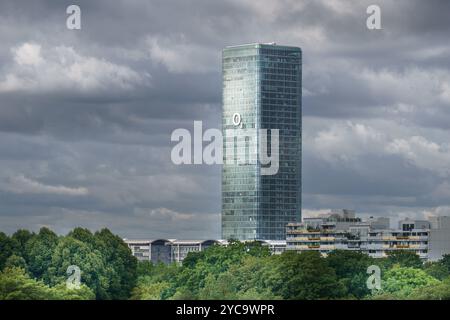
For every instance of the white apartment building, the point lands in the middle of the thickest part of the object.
(343, 231)
(439, 237)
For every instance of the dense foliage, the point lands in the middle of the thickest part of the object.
(248, 271)
(34, 266)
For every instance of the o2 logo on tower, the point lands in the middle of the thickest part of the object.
(237, 120)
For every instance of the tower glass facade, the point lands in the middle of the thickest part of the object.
(261, 90)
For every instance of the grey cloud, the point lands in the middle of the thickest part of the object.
(114, 140)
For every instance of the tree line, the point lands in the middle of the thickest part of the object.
(34, 266)
(249, 271)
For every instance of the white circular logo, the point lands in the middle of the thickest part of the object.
(237, 119)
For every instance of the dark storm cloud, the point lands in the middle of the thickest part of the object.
(86, 116)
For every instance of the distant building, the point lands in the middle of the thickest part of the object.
(181, 248)
(172, 250)
(275, 246)
(337, 230)
(166, 250)
(439, 237)
(343, 231)
(158, 250)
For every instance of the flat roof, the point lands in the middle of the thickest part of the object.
(261, 44)
(174, 241)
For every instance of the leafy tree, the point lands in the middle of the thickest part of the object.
(106, 263)
(255, 294)
(238, 271)
(401, 281)
(213, 261)
(221, 288)
(6, 249)
(154, 280)
(20, 239)
(15, 284)
(239, 283)
(94, 272)
(182, 293)
(39, 251)
(245, 270)
(144, 268)
(84, 235)
(445, 261)
(305, 276)
(437, 270)
(384, 296)
(158, 272)
(253, 273)
(351, 268)
(149, 290)
(16, 261)
(61, 292)
(440, 291)
(405, 259)
(120, 259)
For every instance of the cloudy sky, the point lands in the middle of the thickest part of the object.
(86, 115)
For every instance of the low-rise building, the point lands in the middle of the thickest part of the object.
(275, 246)
(439, 237)
(343, 231)
(173, 250)
(158, 250)
(181, 248)
(166, 250)
(337, 230)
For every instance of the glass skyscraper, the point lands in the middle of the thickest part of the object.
(262, 89)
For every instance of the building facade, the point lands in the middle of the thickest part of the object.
(166, 250)
(439, 237)
(343, 231)
(181, 248)
(170, 251)
(261, 90)
(337, 230)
